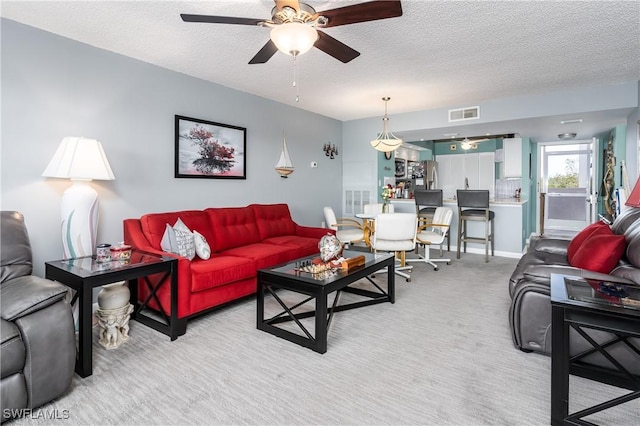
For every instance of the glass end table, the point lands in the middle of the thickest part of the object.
(85, 273)
(580, 304)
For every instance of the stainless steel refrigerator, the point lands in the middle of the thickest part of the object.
(423, 174)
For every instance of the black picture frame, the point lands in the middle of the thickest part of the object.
(210, 150)
(401, 168)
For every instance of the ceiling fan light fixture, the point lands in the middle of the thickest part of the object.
(567, 136)
(466, 144)
(386, 141)
(294, 38)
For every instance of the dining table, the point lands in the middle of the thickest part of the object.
(368, 224)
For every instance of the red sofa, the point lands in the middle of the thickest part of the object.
(242, 240)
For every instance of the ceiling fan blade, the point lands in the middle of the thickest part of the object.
(362, 12)
(267, 51)
(295, 4)
(335, 48)
(219, 19)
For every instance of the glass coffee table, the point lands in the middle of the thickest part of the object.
(276, 282)
(82, 274)
(581, 305)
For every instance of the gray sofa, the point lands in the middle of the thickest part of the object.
(38, 350)
(529, 288)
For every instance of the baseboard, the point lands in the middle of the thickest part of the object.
(498, 253)
(513, 255)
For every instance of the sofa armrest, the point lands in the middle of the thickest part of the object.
(24, 295)
(541, 274)
(133, 236)
(551, 245)
(628, 272)
(311, 232)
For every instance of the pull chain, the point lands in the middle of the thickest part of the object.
(295, 77)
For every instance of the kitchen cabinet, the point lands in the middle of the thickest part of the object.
(486, 172)
(447, 177)
(512, 165)
(408, 154)
(455, 171)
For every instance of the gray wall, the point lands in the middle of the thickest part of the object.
(54, 87)
(633, 144)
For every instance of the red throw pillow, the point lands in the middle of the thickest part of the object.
(595, 228)
(600, 253)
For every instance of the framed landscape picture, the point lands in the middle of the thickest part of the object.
(204, 149)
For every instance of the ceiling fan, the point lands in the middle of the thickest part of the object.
(467, 143)
(295, 26)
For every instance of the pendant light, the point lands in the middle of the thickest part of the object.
(386, 141)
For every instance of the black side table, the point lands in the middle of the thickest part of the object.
(84, 273)
(582, 305)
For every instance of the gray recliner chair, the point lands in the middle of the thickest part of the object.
(529, 288)
(38, 351)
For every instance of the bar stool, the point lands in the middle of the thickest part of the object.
(427, 200)
(473, 205)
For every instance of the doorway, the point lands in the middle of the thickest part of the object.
(567, 187)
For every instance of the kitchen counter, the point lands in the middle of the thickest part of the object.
(509, 224)
(501, 201)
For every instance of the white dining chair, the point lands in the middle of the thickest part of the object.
(396, 232)
(348, 231)
(433, 232)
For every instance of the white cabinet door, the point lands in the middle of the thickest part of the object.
(457, 170)
(468, 171)
(446, 177)
(512, 166)
(486, 172)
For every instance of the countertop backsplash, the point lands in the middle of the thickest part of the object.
(508, 188)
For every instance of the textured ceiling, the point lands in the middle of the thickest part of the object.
(438, 54)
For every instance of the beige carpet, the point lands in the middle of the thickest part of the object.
(441, 355)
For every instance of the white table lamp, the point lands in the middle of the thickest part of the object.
(80, 160)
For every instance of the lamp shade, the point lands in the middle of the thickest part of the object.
(294, 38)
(386, 143)
(79, 158)
(633, 200)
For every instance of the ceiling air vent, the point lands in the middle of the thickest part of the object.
(469, 113)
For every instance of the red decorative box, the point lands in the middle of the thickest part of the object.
(121, 252)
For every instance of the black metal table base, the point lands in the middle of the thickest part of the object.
(316, 339)
(168, 324)
(82, 276)
(622, 324)
(624, 378)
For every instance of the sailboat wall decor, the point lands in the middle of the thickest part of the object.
(284, 166)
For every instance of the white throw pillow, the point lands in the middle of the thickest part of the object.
(179, 240)
(202, 247)
(180, 226)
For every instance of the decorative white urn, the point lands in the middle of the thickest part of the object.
(113, 314)
(113, 296)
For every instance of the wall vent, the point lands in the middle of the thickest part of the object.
(469, 113)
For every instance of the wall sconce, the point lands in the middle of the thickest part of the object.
(330, 150)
